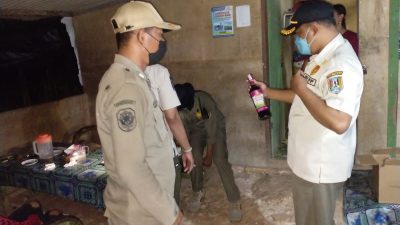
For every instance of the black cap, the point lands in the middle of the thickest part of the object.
(309, 11)
(185, 93)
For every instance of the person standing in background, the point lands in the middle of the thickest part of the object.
(137, 149)
(162, 88)
(340, 18)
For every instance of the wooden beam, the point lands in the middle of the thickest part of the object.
(393, 73)
(21, 14)
(102, 6)
(275, 74)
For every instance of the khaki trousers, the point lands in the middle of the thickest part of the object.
(197, 139)
(314, 204)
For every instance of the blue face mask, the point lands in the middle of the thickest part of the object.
(303, 47)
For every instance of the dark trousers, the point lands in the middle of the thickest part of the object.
(198, 139)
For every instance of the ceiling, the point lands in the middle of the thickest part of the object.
(46, 8)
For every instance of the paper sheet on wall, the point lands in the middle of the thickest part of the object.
(243, 16)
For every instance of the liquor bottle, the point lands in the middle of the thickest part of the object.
(258, 99)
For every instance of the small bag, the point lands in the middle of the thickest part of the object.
(178, 163)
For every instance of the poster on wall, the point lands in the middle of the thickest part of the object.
(222, 21)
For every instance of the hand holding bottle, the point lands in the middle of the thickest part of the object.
(263, 87)
(257, 92)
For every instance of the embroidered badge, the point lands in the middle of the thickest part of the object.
(311, 81)
(335, 82)
(126, 119)
(315, 70)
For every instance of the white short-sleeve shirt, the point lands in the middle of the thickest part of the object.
(162, 87)
(316, 153)
(160, 83)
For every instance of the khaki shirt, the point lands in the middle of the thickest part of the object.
(204, 115)
(137, 150)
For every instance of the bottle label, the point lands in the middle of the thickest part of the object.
(258, 99)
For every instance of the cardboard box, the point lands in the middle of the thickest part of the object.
(386, 173)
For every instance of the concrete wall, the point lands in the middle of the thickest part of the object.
(219, 66)
(96, 45)
(374, 39)
(60, 119)
(216, 65)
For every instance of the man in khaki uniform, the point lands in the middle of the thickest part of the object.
(205, 125)
(137, 150)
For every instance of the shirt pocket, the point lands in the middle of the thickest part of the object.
(159, 124)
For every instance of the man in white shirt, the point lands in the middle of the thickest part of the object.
(160, 83)
(325, 101)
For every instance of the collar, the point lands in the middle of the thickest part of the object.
(328, 50)
(129, 65)
(196, 104)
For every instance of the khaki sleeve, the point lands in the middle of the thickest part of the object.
(127, 116)
(211, 123)
(185, 119)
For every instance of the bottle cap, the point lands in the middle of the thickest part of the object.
(43, 138)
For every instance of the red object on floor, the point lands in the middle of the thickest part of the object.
(31, 220)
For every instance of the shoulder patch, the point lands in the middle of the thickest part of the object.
(335, 82)
(126, 119)
(315, 70)
(125, 102)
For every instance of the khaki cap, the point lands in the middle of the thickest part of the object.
(136, 15)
